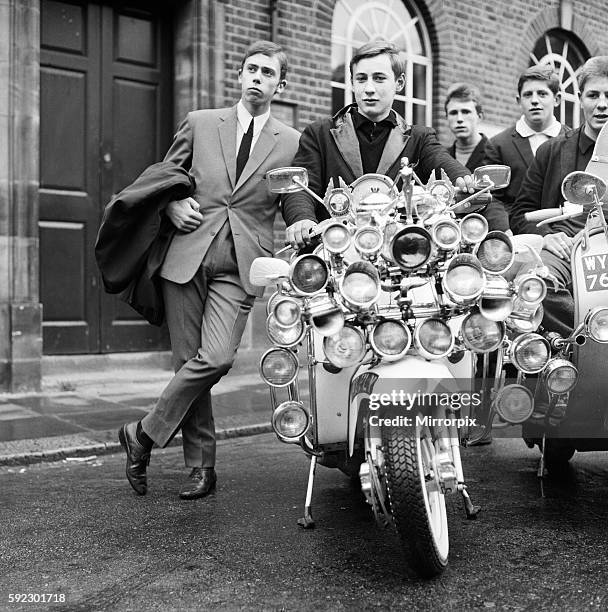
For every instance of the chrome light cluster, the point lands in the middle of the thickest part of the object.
(495, 252)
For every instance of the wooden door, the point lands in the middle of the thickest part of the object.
(105, 114)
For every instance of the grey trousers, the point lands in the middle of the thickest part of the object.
(559, 303)
(206, 318)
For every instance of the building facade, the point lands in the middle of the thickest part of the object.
(91, 92)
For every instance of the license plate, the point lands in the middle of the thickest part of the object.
(595, 270)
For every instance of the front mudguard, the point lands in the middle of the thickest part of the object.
(410, 377)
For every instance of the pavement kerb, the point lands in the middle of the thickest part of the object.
(108, 448)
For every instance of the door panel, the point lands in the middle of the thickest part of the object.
(105, 115)
(69, 176)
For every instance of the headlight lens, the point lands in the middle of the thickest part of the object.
(284, 336)
(473, 228)
(433, 338)
(495, 252)
(560, 376)
(278, 367)
(287, 311)
(411, 247)
(514, 404)
(596, 324)
(446, 234)
(464, 279)
(308, 274)
(480, 334)
(368, 240)
(391, 339)
(531, 289)
(530, 353)
(360, 285)
(346, 348)
(336, 238)
(290, 421)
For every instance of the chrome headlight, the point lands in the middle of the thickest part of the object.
(514, 404)
(473, 228)
(290, 421)
(480, 334)
(495, 252)
(411, 247)
(325, 315)
(308, 274)
(560, 375)
(336, 238)
(287, 311)
(390, 339)
(596, 324)
(524, 319)
(433, 338)
(446, 234)
(531, 289)
(368, 240)
(360, 285)
(284, 336)
(463, 280)
(346, 348)
(278, 367)
(530, 353)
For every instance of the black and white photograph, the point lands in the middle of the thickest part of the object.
(303, 305)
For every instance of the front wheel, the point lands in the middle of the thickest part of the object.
(416, 501)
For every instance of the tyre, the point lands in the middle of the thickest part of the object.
(557, 454)
(416, 502)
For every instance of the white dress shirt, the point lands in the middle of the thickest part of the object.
(537, 138)
(244, 119)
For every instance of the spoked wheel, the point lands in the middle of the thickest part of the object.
(416, 501)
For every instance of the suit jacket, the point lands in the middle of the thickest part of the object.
(205, 144)
(511, 149)
(329, 149)
(134, 236)
(494, 212)
(542, 187)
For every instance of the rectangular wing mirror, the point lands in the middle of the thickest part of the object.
(266, 271)
(494, 176)
(287, 180)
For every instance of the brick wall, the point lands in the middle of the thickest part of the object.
(486, 43)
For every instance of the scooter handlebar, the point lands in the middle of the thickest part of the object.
(542, 214)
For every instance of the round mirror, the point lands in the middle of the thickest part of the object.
(579, 187)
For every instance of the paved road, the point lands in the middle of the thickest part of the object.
(76, 528)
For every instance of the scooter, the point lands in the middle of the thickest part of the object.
(391, 309)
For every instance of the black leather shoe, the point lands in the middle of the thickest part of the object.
(202, 482)
(138, 458)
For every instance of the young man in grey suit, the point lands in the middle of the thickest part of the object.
(538, 93)
(205, 275)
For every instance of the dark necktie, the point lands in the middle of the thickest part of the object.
(243, 154)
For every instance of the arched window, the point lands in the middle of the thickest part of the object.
(566, 54)
(356, 22)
